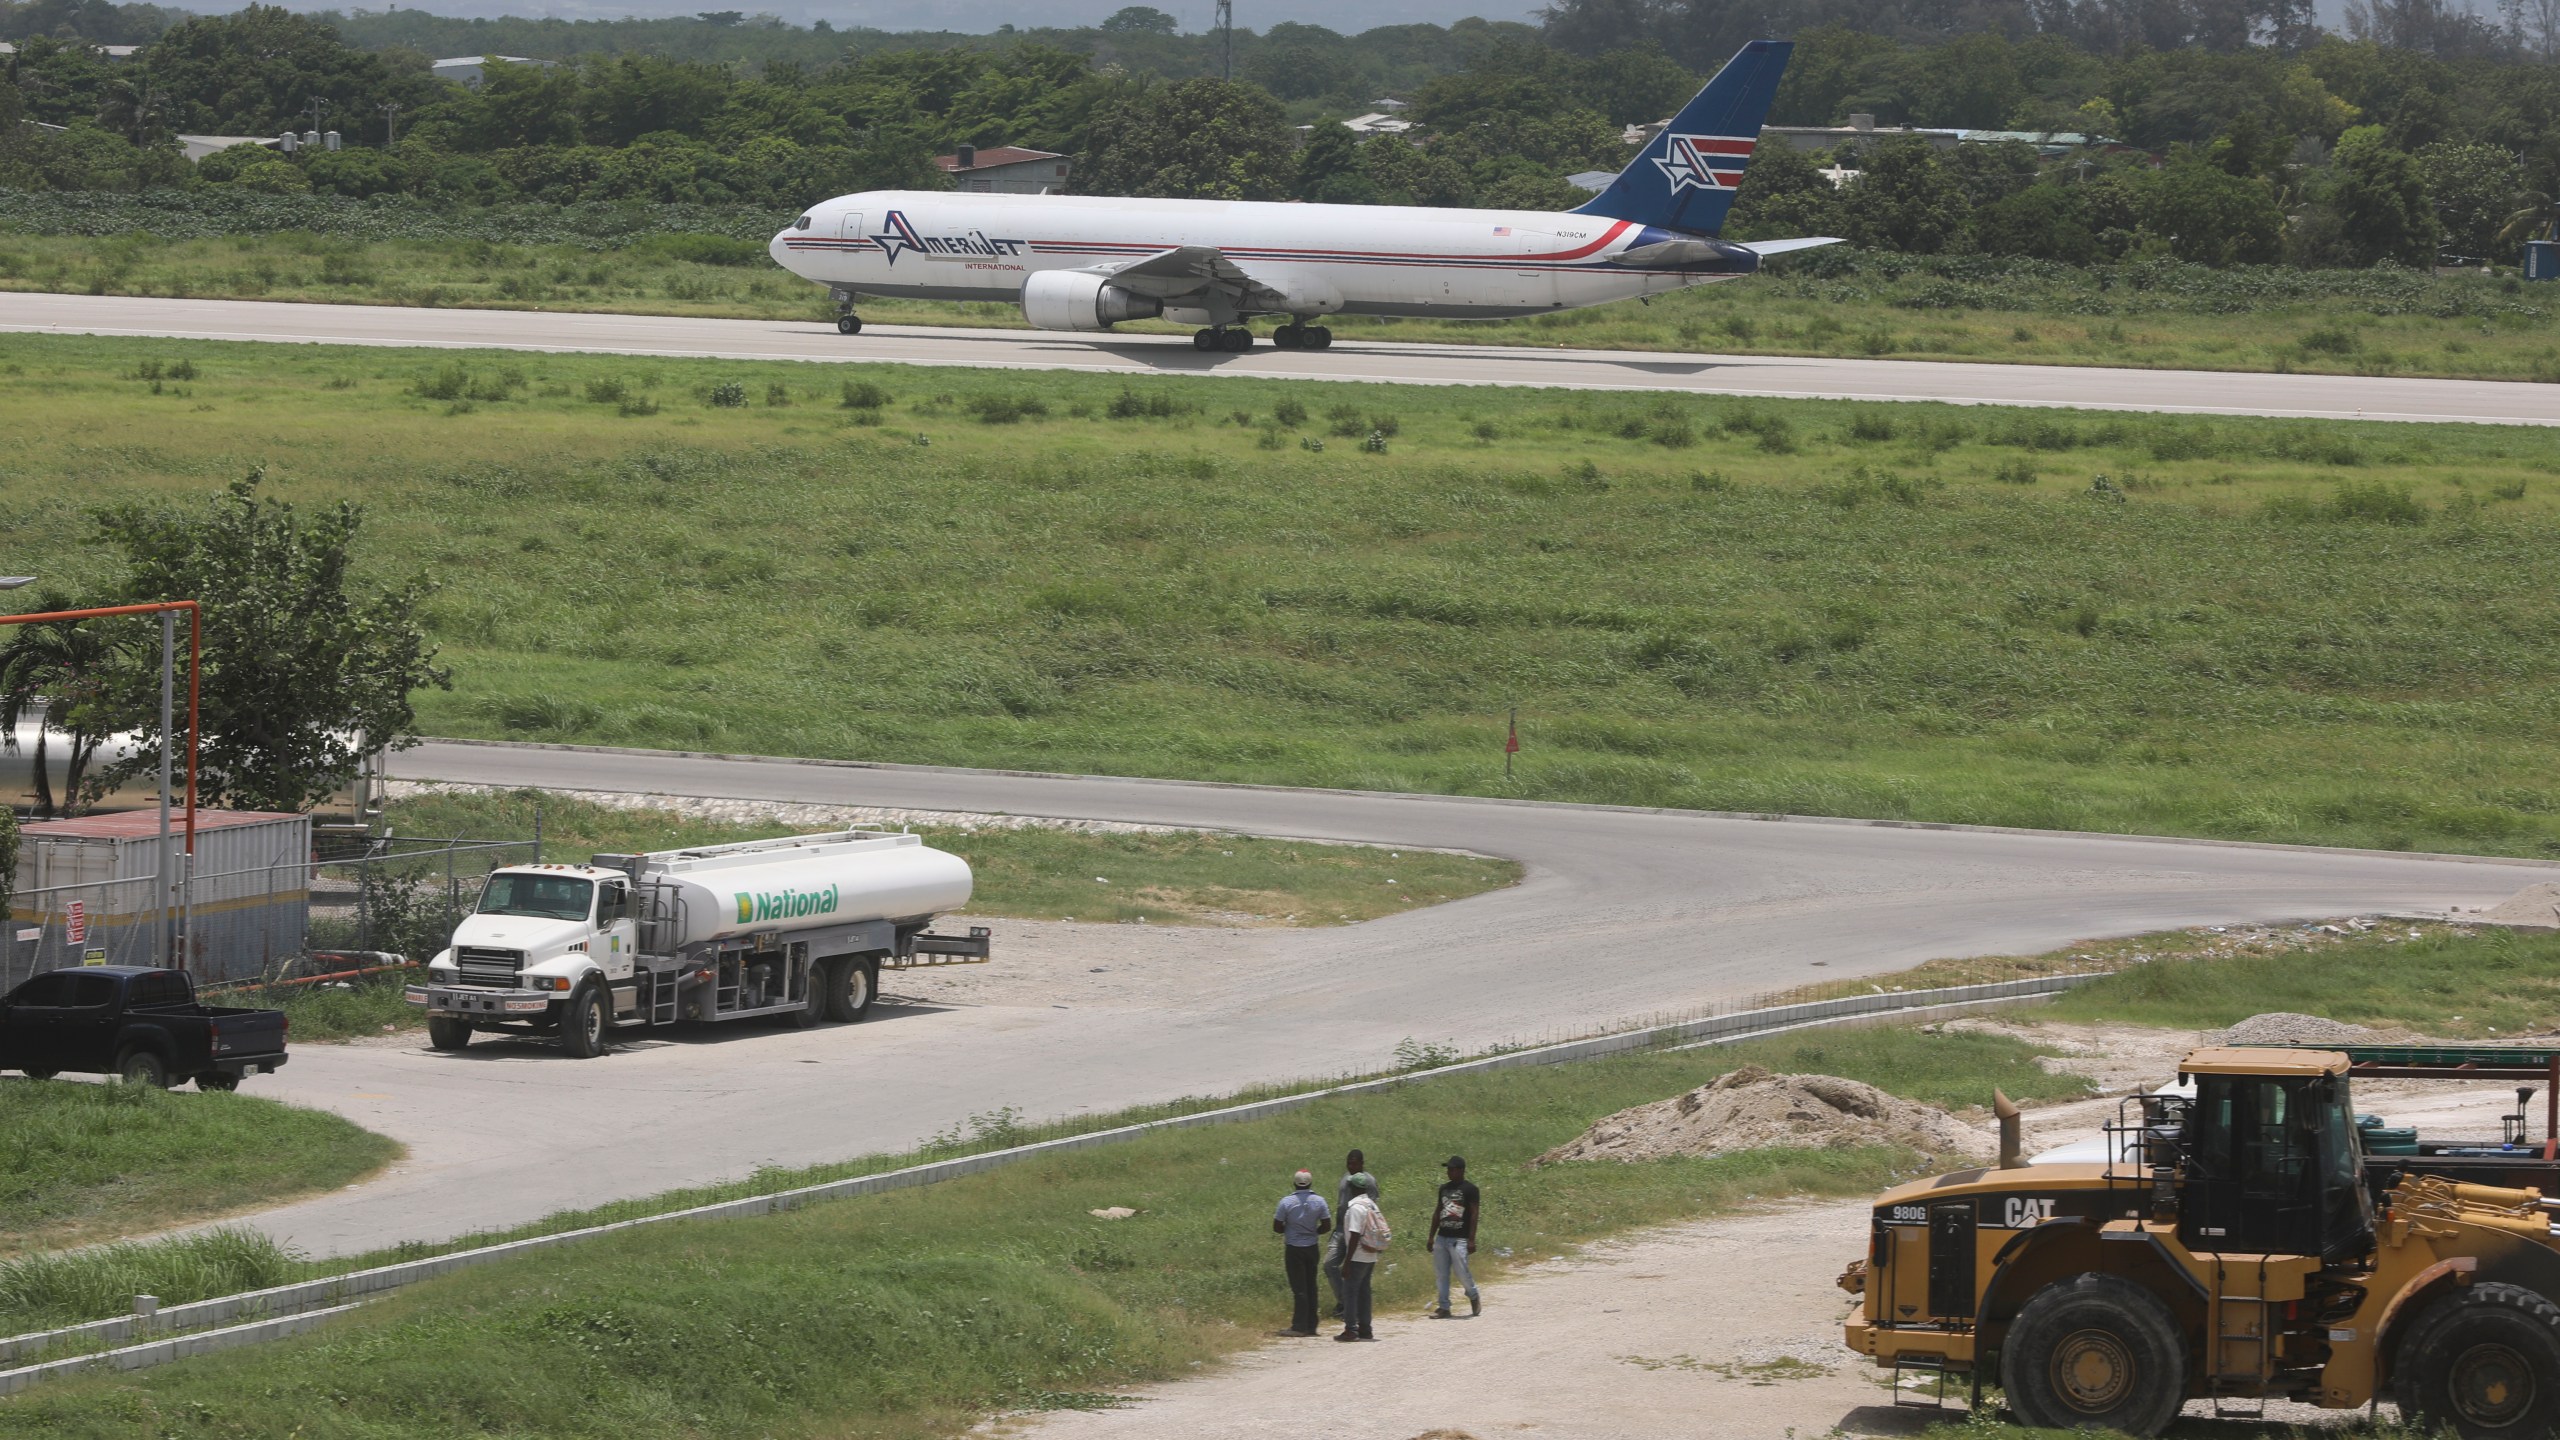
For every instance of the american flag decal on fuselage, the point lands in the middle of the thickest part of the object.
(1705, 162)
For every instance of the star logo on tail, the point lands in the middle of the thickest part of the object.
(1705, 162)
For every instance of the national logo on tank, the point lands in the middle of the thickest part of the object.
(1705, 162)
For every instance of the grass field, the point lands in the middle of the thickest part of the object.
(2152, 314)
(2436, 981)
(910, 1313)
(1040, 872)
(2335, 633)
(82, 1163)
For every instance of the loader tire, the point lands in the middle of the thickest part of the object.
(2484, 1364)
(851, 982)
(586, 1023)
(2095, 1352)
(448, 1034)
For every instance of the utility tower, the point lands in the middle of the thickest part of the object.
(1227, 39)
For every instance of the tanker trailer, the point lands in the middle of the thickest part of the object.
(796, 930)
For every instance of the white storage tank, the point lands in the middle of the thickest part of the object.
(86, 892)
(804, 883)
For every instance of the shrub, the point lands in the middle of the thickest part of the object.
(2329, 340)
(639, 405)
(2015, 472)
(1871, 428)
(728, 395)
(1130, 405)
(777, 395)
(607, 391)
(450, 383)
(1289, 413)
(1005, 409)
(1376, 444)
(863, 395)
(1710, 482)
(1486, 430)
(2377, 503)
(1347, 421)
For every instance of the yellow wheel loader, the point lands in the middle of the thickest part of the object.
(2235, 1246)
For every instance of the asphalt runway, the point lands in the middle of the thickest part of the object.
(2322, 397)
(1623, 915)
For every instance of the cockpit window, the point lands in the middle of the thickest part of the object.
(540, 897)
(804, 222)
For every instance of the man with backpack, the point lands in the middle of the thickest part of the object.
(1453, 1236)
(1353, 1164)
(1364, 1237)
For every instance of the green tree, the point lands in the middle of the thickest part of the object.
(1906, 199)
(2379, 200)
(257, 71)
(1784, 194)
(2474, 188)
(2047, 222)
(1138, 20)
(2209, 216)
(1195, 139)
(300, 659)
(1330, 171)
(55, 669)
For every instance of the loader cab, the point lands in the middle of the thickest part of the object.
(2272, 1161)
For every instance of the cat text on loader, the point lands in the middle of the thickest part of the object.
(2232, 1249)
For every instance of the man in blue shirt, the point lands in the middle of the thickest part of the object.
(1300, 1222)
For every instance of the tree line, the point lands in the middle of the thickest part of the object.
(2264, 141)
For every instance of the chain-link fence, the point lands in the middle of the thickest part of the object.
(402, 894)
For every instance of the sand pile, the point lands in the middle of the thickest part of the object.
(2286, 1027)
(1752, 1109)
(2532, 905)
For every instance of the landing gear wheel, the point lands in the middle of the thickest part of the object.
(851, 984)
(444, 1033)
(1318, 337)
(143, 1067)
(585, 1025)
(848, 324)
(1237, 340)
(215, 1082)
(1204, 339)
(2095, 1352)
(1289, 337)
(2484, 1362)
(41, 1074)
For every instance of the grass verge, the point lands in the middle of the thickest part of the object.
(83, 1163)
(996, 1290)
(1952, 614)
(1033, 872)
(2438, 980)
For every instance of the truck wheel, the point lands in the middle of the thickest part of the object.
(584, 1027)
(850, 985)
(2484, 1362)
(446, 1033)
(41, 1074)
(215, 1081)
(822, 974)
(143, 1067)
(2095, 1352)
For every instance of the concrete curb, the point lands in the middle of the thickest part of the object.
(1775, 817)
(291, 1309)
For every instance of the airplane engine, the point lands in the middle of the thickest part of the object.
(1073, 300)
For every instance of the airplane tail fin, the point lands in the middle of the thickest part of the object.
(1686, 178)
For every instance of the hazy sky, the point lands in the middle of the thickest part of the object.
(979, 17)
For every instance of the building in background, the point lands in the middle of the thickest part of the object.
(1005, 170)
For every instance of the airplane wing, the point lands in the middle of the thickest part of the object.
(1765, 248)
(1196, 276)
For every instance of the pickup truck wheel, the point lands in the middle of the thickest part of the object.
(143, 1067)
(2095, 1352)
(2484, 1362)
(850, 985)
(212, 1081)
(585, 1025)
(445, 1033)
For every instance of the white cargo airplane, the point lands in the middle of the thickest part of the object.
(1078, 262)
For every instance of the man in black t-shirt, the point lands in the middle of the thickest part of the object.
(1453, 1236)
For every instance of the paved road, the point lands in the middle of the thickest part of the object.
(1623, 915)
(2306, 396)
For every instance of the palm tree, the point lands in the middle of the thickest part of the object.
(2538, 220)
(46, 669)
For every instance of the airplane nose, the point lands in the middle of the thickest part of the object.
(780, 251)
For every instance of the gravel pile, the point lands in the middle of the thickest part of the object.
(2532, 905)
(1753, 1109)
(2285, 1027)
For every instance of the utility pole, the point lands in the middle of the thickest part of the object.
(1227, 38)
(390, 122)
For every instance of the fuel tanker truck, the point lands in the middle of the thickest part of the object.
(794, 930)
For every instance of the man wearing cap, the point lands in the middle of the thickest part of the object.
(1301, 1220)
(1353, 1164)
(1453, 1236)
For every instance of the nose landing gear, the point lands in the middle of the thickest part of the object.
(847, 323)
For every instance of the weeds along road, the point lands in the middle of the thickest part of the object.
(1623, 915)
(2326, 397)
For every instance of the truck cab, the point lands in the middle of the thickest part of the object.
(546, 945)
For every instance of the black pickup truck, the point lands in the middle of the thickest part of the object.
(138, 1023)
